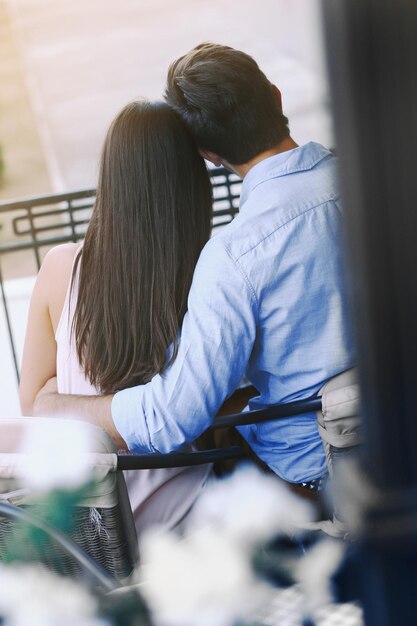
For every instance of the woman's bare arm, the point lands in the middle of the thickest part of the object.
(39, 353)
(38, 388)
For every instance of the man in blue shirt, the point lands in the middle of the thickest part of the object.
(267, 299)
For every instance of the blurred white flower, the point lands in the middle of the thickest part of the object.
(206, 577)
(315, 569)
(250, 507)
(198, 580)
(32, 596)
(56, 455)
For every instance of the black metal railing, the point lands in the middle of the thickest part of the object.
(39, 223)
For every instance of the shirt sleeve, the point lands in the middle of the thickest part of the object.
(216, 341)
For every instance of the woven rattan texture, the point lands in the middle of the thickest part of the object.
(99, 532)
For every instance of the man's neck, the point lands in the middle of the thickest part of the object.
(283, 146)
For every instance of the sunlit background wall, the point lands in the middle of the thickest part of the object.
(66, 68)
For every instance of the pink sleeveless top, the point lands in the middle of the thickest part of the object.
(160, 496)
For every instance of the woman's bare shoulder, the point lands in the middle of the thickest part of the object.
(55, 276)
(62, 255)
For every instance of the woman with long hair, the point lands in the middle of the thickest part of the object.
(106, 315)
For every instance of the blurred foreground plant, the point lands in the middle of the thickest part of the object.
(52, 474)
(214, 573)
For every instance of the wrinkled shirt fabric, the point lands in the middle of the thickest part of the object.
(268, 301)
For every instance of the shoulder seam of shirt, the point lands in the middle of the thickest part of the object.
(280, 171)
(243, 274)
(316, 206)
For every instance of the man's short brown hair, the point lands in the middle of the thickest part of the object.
(226, 101)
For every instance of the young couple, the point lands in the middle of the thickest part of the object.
(150, 326)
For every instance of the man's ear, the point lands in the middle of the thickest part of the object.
(210, 156)
(278, 96)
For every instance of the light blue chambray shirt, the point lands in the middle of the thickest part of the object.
(267, 300)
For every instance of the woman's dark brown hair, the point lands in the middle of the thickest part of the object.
(151, 218)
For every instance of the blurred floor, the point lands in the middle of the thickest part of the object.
(288, 607)
(19, 139)
(25, 169)
(86, 58)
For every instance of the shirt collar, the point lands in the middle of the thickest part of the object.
(302, 158)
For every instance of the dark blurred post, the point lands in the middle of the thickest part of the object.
(372, 57)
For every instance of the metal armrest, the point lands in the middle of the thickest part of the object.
(184, 459)
(178, 459)
(275, 411)
(334, 394)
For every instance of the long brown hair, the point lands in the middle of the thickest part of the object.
(151, 218)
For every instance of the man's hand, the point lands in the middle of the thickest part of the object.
(93, 409)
